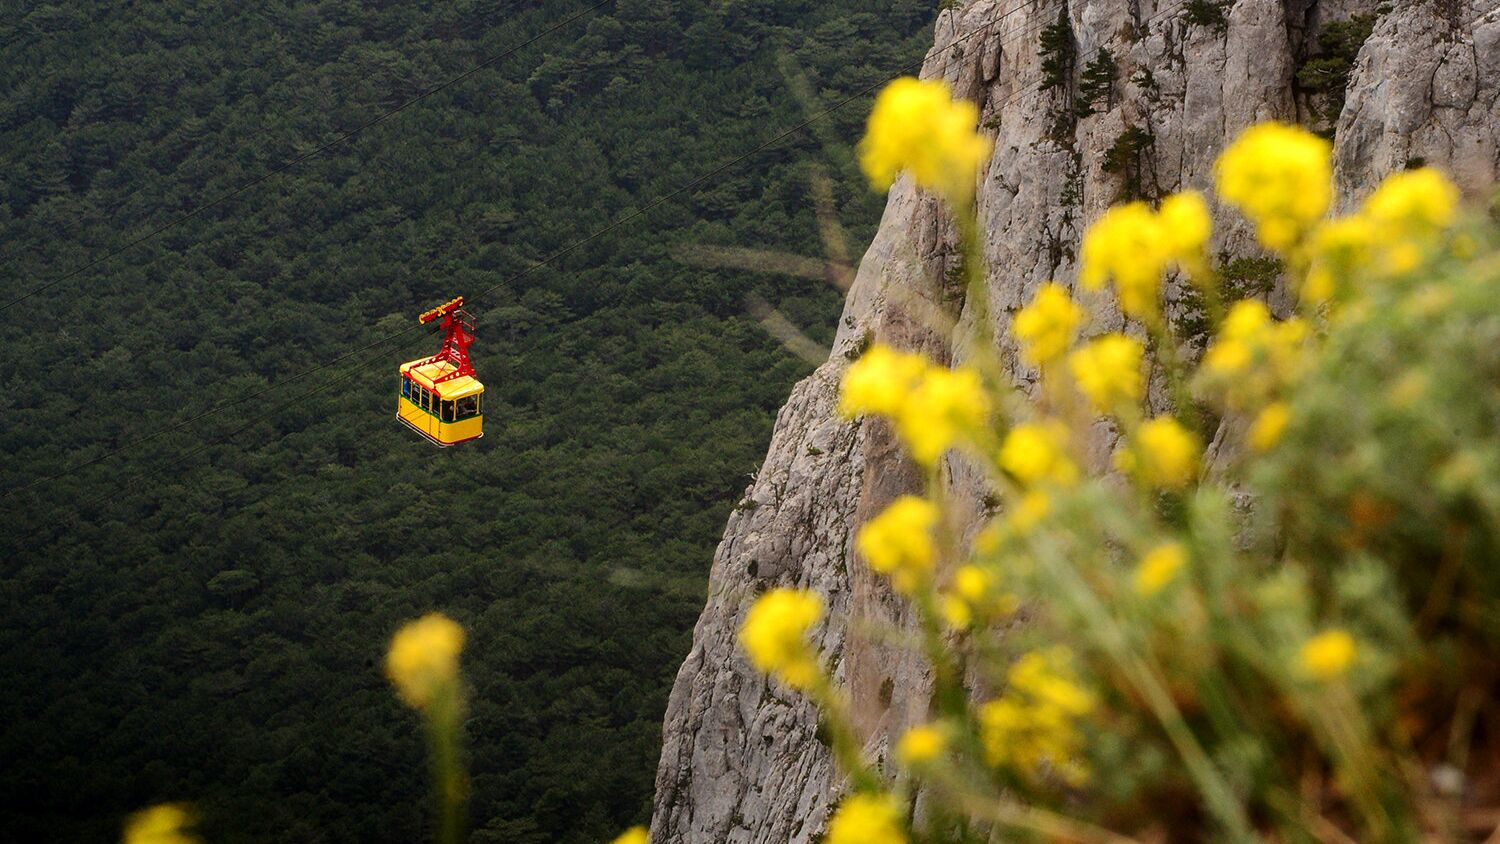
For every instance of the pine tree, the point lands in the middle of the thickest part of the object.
(1057, 52)
(1096, 83)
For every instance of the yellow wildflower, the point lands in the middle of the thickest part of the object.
(1339, 249)
(945, 405)
(167, 823)
(1412, 202)
(920, 745)
(1030, 510)
(1047, 325)
(956, 612)
(1108, 371)
(1281, 176)
(1269, 425)
(1159, 567)
(774, 635)
(1328, 655)
(880, 382)
(1254, 354)
(423, 659)
(634, 835)
(1186, 227)
(972, 582)
(867, 819)
(899, 544)
(1034, 724)
(1127, 245)
(1036, 452)
(1165, 454)
(918, 126)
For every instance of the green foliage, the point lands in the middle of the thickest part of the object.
(1246, 278)
(1057, 51)
(1096, 83)
(1124, 157)
(1209, 13)
(1325, 74)
(214, 633)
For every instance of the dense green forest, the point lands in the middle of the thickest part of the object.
(202, 617)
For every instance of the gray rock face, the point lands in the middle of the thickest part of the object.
(741, 760)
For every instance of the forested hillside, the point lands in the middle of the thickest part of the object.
(211, 630)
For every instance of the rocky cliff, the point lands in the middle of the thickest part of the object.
(742, 760)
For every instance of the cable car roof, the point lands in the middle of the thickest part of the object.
(455, 388)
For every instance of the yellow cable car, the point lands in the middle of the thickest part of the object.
(441, 398)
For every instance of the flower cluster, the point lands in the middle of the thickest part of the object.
(918, 127)
(775, 636)
(167, 823)
(899, 542)
(1282, 178)
(1133, 246)
(1047, 326)
(1108, 371)
(1034, 726)
(867, 819)
(1037, 453)
(1162, 454)
(934, 408)
(423, 659)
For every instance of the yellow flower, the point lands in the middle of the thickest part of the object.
(1269, 425)
(1108, 371)
(1159, 567)
(167, 823)
(1253, 354)
(1034, 506)
(880, 382)
(918, 126)
(634, 835)
(1328, 655)
(1034, 724)
(1412, 202)
(774, 635)
(920, 745)
(867, 819)
(945, 405)
(1185, 224)
(1282, 178)
(899, 544)
(1047, 325)
(1339, 249)
(956, 612)
(423, 659)
(972, 582)
(1036, 452)
(1165, 454)
(1128, 246)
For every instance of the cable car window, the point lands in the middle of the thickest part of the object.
(422, 399)
(468, 406)
(448, 410)
(406, 387)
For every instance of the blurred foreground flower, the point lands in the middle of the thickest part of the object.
(167, 823)
(1282, 178)
(918, 126)
(423, 659)
(1328, 655)
(867, 819)
(634, 835)
(775, 636)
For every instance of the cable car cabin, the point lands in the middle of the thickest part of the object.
(440, 395)
(445, 412)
